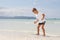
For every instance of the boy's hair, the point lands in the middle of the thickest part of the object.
(34, 9)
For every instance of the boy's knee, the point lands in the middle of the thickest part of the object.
(42, 27)
(38, 27)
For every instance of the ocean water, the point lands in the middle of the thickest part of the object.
(27, 25)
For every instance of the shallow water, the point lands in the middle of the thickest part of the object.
(27, 25)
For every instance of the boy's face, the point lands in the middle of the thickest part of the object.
(35, 12)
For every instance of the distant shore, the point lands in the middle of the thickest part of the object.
(25, 17)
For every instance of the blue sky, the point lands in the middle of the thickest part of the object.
(24, 7)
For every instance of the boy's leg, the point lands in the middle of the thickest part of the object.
(38, 29)
(43, 29)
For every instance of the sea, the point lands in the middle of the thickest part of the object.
(27, 25)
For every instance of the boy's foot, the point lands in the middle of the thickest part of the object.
(44, 35)
(37, 34)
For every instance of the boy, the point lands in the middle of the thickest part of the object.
(40, 18)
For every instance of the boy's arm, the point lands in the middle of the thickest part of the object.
(36, 21)
(43, 15)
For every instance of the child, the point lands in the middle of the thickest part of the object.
(40, 18)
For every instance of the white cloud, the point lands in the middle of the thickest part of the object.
(15, 12)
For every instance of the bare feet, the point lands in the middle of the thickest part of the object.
(44, 35)
(37, 34)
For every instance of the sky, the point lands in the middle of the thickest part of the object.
(24, 7)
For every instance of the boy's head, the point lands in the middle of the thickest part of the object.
(35, 11)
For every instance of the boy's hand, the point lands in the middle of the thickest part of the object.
(35, 22)
(42, 18)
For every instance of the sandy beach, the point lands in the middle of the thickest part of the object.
(16, 35)
(26, 30)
